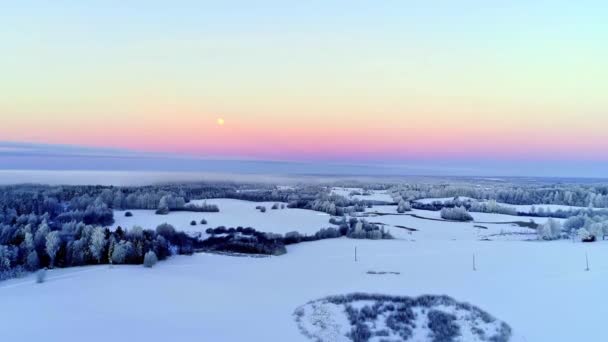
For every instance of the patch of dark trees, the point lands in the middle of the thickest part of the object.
(243, 240)
(250, 241)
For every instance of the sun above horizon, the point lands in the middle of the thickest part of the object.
(220, 121)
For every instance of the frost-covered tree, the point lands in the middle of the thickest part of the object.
(32, 262)
(163, 206)
(150, 259)
(604, 229)
(118, 200)
(53, 243)
(551, 230)
(136, 233)
(98, 213)
(28, 242)
(5, 258)
(77, 252)
(98, 243)
(121, 252)
(358, 232)
(404, 206)
(596, 229)
(40, 236)
(359, 226)
(492, 206)
(111, 245)
(574, 223)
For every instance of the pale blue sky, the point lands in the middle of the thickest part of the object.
(456, 82)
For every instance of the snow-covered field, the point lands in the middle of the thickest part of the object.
(484, 226)
(539, 288)
(233, 213)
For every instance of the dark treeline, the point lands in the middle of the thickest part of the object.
(243, 240)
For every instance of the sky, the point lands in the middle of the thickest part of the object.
(447, 82)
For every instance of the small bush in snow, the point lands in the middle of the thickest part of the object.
(128, 214)
(456, 214)
(193, 223)
(203, 221)
(150, 259)
(41, 276)
(403, 207)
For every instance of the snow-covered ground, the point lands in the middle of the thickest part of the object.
(484, 226)
(539, 288)
(233, 213)
(374, 195)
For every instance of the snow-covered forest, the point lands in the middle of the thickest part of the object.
(43, 226)
(61, 226)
